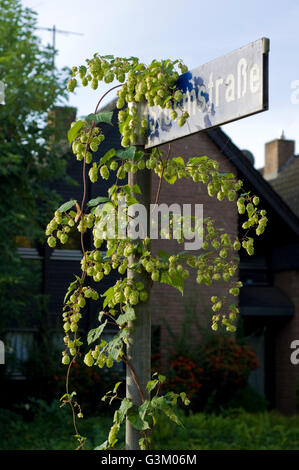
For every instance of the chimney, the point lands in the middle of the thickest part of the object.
(277, 153)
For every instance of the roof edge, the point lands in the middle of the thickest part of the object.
(235, 155)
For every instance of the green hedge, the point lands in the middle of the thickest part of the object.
(51, 429)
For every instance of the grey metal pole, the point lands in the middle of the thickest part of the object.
(139, 340)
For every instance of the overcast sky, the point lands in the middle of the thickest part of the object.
(195, 31)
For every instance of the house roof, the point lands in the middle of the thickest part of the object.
(273, 193)
(286, 184)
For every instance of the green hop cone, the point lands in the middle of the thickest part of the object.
(94, 84)
(141, 165)
(113, 165)
(81, 301)
(234, 291)
(231, 195)
(113, 433)
(173, 115)
(237, 245)
(104, 172)
(134, 297)
(88, 359)
(231, 328)
(125, 141)
(143, 296)
(51, 242)
(64, 238)
(181, 121)
(178, 96)
(71, 85)
(65, 359)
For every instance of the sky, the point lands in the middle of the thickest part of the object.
(195, 31)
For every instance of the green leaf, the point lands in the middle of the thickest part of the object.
(136, 189)
(108, 294)
(129, 315)
(111, 250)
(197, 159)
(94, 334)
(182, 254)
(66, 206)
(74, 131)
(170, 179)
(102, 116)
(175, 280)
(127, 154)
(121, 413)
(116, 387)
(108, 155)
(151, 385)
(103, 446)
(142, 410)
(163, 254)
(97, 200)
(161, 404)
(137, 422)
(179, 160)
(107, 208)
(167, 99)
(71, 287)
(226, 175)
(138, 156)
(183, 396)
(115, 346)
(66, 395)
(111, 399)
(130, 200)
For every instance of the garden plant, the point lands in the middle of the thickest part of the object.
(123, 303)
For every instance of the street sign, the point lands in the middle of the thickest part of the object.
(226, 89)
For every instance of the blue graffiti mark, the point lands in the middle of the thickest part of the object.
(184, 82)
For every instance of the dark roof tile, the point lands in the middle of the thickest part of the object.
(286, 184)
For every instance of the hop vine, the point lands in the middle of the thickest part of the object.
(153, 85)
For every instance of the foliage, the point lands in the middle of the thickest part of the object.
(46, 377)
(238, 431)
(215, 374)
(154, 85)
(248, 399)
(28, 164)
(51, 429)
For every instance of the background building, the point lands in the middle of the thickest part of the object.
(269, 300)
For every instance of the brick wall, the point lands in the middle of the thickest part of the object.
(287, 374)
(167, 302)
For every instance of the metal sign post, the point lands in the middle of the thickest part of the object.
(139, 338)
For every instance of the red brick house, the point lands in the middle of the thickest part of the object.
(269, 299)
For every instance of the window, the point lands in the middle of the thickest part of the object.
(17, 344)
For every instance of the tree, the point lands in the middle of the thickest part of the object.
(113, 220)
(28, 161)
